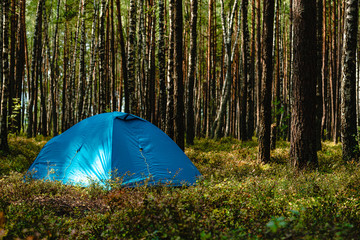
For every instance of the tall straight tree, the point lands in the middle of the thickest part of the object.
(1, 50)
(227, 27)
(123, 59)
(162, 65)
(5, 80)
(90, 77)
(82, 70)
(303, 139)
(133, 104)
(36, 52)
(52, 74)
(178, 76)
(266, 84)
(350, 146)
(103, 63)
(20, 62)
(245, 70)
(190, 130)
(170, 75)
(12, 54)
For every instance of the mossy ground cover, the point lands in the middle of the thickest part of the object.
(237, 198)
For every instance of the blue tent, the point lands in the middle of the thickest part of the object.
(111, 145)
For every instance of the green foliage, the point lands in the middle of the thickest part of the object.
(278, 111)
(237, 198)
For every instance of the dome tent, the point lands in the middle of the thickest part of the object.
(111, 145)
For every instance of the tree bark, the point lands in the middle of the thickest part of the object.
(162, 65)
(102, 63)
(4, 146)
(245, 70)
(31, 131)
(123, 58)
(178, 75)
(350, 148)
(303, 139)
(82, 70)
(170, 75)
(266, 84)
(190, 130)
(227, 26)
(20, 64)
(133, 103)
(52, 74)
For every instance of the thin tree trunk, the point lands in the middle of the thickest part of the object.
(324, 72)
(162, 66)
(82, 70)
(90, 78)
(151, 68)
(12, 67)
(34, 62)
(190, 130)
(20, 63)
(266, 85)
(52, 75)
(319, 107)
(348, 84)
(170, 75)
(72, 89)
(42, 78)
(102, 61)
(245, 70)
(64, 117)
(210, 102)
(227, 26)
(133, 103)
(113, 59)
(4, 146)
(251, 91)
(258, 63)
(178, 75)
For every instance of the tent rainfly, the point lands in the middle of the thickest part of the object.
(111, 145)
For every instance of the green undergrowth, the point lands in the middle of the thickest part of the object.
(237, 198)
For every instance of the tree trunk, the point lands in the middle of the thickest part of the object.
(133, 103)
(42, 78)
(303, 138)
(258, 63)
(150, 76)
(113, 60)
(20, 64)
(162, 65)
(88, 108)
(82, 70)
(5, 78)
(178, 75)
(102, 63)
(348, 83)
(227, 26)
(245, 70)
(123, 57)
(266, 84)
(52, 75)
(210, 101)
(34, 62)
(251, 91)
(170, 75)
(12, 67)
(190, 130)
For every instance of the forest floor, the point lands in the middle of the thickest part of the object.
(237, 198)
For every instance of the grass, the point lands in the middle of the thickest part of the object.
(237, 198)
